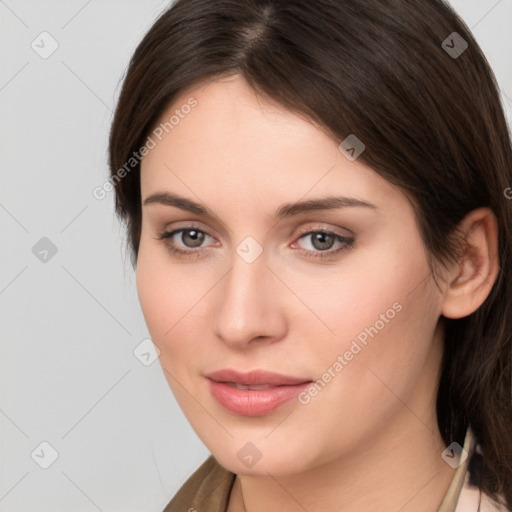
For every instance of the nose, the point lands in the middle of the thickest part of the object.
(249, 305)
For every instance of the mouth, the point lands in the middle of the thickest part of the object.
(254, 393)
(255, 378)
(243, 386)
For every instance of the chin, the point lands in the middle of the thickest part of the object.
(262, 458)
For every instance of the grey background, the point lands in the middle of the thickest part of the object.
(70, 324)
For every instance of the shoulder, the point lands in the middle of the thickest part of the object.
(472, 499)
(208, 488)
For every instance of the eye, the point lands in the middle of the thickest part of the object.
(190, 237)
(322, 242)
(188, 242)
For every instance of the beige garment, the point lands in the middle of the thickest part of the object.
(209, 488)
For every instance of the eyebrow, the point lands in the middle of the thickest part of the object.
(285, 210)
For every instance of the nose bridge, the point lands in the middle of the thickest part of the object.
(247, 306)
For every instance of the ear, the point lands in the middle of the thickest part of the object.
(471, 279)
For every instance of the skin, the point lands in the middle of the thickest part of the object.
(369, 440)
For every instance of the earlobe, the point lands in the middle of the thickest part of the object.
(471, 279)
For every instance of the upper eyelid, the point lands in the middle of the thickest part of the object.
(199, 226)
(316, 229)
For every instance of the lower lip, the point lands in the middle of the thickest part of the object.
(258, 402)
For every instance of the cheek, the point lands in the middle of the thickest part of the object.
(163, 294)
(381, 310)
(365, 289)
(171, 297)
(386, 347)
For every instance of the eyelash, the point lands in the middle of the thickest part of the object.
(347, 243)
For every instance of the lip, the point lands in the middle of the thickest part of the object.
(255, 378)
(248, 402)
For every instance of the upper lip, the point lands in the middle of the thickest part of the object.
(255, 378)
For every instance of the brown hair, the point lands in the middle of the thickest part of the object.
(432, 123)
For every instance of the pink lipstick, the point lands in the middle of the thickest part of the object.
(254, 393)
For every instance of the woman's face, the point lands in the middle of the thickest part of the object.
(352, 309)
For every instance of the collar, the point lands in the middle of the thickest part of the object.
(451, 498)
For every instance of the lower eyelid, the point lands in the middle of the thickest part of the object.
(167, 237)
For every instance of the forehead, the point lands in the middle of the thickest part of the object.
(221, 140)
(229, 118)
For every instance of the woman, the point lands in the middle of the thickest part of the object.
(315, 198)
